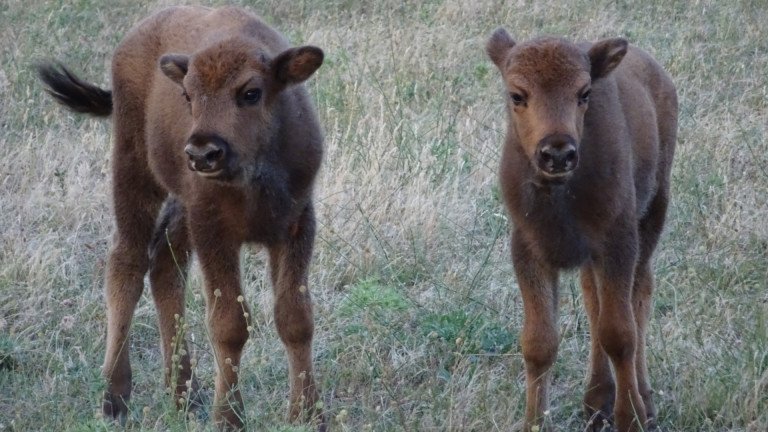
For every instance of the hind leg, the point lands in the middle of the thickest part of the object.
(650, 230)
(601, 389)
(643, 290)
(169, 258)
(289, 263)
(137, 199)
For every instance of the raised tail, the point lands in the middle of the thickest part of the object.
(74, 93)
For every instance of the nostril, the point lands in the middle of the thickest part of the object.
(570, 155)
(214, 156)
(546, 154)
(189, 150)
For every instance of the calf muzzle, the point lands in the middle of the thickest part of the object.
(557, 155)
(207, 154)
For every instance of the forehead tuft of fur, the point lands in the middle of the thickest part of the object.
(547, 62)
(215, 66)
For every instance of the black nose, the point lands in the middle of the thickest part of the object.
(557, 154)
(207, 153)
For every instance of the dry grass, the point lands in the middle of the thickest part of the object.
(417, 309)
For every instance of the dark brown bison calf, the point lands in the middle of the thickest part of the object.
(210, 117)
(585, 177)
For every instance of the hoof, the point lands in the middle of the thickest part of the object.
(115, 407)
(599, 420)
(313, 416)
(322, 425)
(229, 419)
(651, 425)
(198, 403)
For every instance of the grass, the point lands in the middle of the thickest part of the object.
(417, 311)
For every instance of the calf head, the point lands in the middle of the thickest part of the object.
(549, 83)
(231, 88)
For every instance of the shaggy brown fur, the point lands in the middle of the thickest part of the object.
(210, 117)
(585, 177)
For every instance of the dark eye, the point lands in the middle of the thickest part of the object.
(517, 98)
(252, 96)
(584, 98)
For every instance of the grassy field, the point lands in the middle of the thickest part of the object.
(417, 310)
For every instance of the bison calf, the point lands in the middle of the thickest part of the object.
(585, 177)
(209, 116)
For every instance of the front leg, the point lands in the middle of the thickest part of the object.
(219, 253)
(538, 286)
(289, 263)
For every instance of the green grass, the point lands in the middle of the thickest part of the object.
(417, 311)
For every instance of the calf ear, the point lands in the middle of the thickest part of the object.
(295, 65)
(174, 66)
(605, 55)
(498, 47)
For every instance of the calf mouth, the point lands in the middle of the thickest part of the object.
(206, 170)
(554, 179)
(218, 173)
(210, 174)
(224, 174)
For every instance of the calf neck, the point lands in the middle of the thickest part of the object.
(585, 177)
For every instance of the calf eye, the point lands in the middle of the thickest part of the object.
(517, 98)
(584, 97)
(252, 96)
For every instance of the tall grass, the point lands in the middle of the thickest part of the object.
(417, 311)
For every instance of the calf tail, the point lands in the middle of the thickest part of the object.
(74, 93)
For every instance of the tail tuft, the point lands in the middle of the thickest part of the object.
(74, 93)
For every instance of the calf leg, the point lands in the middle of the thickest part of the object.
(169, 258)
(137, 199)
(641, 300)
(136, 202)
(616, 328)
(601, 390)
(289, 262)
(649, 230)
(219, 256)
(538, 286)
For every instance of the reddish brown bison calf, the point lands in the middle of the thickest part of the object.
(585, 177)
(210, 117)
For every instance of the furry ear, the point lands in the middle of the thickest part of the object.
(605, 55)
(498, 47)
(174, 66)
(295, 65)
